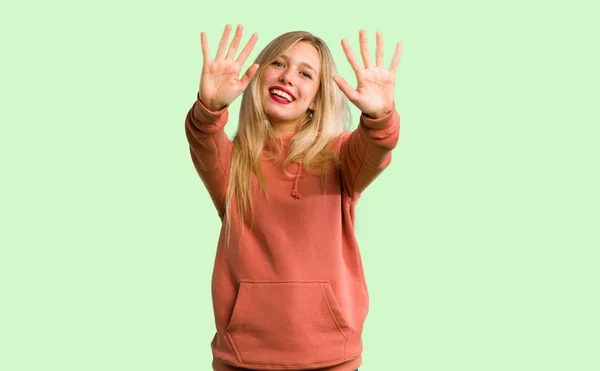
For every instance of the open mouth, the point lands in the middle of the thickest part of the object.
(281, 95)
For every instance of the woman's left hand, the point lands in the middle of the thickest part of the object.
(374, 94)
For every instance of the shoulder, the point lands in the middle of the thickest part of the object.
(336, 142)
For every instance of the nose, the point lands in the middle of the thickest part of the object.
(285, 78)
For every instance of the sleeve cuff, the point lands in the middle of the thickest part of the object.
(208, 111)
(380, 127)
(206, 115)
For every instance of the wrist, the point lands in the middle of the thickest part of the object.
(211, 106)
(378, 114)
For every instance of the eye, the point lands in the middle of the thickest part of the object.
(277, 64)
(307, 75)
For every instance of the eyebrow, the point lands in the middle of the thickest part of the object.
(304, 64)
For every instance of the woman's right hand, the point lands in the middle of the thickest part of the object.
(219, 83)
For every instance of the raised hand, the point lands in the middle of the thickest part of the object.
(374, 94)
(220, 83)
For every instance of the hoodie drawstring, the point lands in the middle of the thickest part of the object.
(295, 192)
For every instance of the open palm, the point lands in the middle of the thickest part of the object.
(220, 83)
(374, 94)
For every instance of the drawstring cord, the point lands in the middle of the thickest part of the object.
(295, 192)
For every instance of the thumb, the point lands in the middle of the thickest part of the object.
(250, 72)
(345, 87)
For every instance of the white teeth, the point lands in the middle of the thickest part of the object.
(281, 94)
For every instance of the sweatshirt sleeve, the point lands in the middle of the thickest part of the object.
(210, 149)
(367, 151)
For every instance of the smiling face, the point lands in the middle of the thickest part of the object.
(289, 86)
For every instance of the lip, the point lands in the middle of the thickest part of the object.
(283, 89)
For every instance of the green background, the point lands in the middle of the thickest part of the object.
(480, 241)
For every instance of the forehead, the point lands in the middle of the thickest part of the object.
(304, 53)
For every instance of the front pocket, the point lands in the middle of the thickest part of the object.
(287, 324)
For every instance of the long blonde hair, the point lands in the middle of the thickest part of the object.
(330, 117)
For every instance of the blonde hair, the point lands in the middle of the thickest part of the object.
(330, 117)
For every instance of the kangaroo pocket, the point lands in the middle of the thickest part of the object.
(287, 324)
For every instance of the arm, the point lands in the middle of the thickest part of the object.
(210, 149)
(367, 151)
(220, 84)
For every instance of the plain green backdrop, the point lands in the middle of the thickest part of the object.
(480, 241)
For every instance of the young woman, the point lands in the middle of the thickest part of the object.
(288, 284)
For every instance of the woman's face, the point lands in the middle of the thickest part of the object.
(290, 84)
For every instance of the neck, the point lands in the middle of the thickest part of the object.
(285, 129)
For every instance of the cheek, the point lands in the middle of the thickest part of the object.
(264, 79)
(313, 93)
(310, 91)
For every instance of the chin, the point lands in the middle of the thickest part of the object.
(275, 114)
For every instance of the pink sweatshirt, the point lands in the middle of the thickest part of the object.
(292, 295)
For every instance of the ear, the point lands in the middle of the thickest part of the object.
(312, 105)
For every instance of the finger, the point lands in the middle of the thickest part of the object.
(250, 72)
(247, 49)
(345, 88)
(396, 58)
(205, 50)
(350, 56)
(364, 48)
(379, 52)
(223, 42)
(236, 42)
